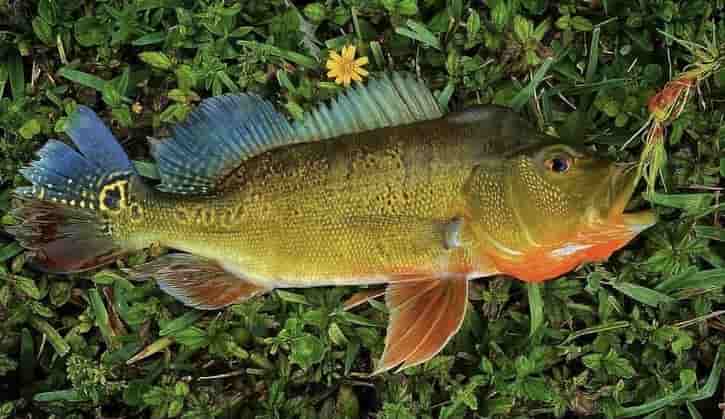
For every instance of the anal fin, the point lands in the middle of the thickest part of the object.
(197, 282)
(424, 315)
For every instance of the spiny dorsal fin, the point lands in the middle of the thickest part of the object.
(391, 100)
(221, 133)
(226, 130)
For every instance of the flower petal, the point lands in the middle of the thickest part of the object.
(349, 52)
(361, 71)
(361, 61)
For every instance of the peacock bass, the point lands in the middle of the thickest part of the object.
(378, 187)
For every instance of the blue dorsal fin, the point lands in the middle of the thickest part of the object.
(394, 99)
(221, 133)
(226, 130)
(95, 141)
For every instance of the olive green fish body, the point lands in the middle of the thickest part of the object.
(378, 188)
(345, 211)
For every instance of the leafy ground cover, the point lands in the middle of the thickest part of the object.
(638, 336)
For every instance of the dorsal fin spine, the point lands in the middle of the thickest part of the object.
(226, 130)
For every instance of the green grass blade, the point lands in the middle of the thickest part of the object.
(83, 79)
(596, 329)
(642, 294)
(536, 307)
(16, 73)
(523, 97)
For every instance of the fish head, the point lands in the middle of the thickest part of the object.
(567, 206)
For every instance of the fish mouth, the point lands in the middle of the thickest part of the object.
(624, 182)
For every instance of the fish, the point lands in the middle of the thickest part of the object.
(378, 186)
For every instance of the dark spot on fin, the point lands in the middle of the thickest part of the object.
(424, 315)
(63, 239)
(197, 282)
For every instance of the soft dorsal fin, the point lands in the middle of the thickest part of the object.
(226, 130)
(395, 99)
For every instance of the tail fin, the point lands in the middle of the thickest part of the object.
(62, 216)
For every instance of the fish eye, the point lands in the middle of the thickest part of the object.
(559, 164)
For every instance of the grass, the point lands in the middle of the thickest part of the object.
(638, 336)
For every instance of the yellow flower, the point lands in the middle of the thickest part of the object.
(345, 68)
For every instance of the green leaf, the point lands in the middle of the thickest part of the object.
(536, 307)
(28, 287)
(690, 203)
(71, 395)
(9, 251)
(16, 74)
(157, 60)
(3, 77)
(27, 357)
(593, 361)
(710, 233)
(106, 277)
(150, 39)
(83, 79)
(618, 366)
(642, 294)
(419, 32)
(523, 97)
(47, 11)
(90, 31)
(30, 129)
(694, 279)
(606, 327)
(581, 24)
(43, 31)
(307, 351)
(55, 339)
(101, 315)
(523, 29)
(193, 337)
(473, 24)
(593, 56)
(292, 56)
(180, 323)
(292, 297)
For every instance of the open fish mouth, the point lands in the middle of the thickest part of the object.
(623, 186)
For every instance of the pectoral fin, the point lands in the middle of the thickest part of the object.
(424, 315)
(197, 282)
